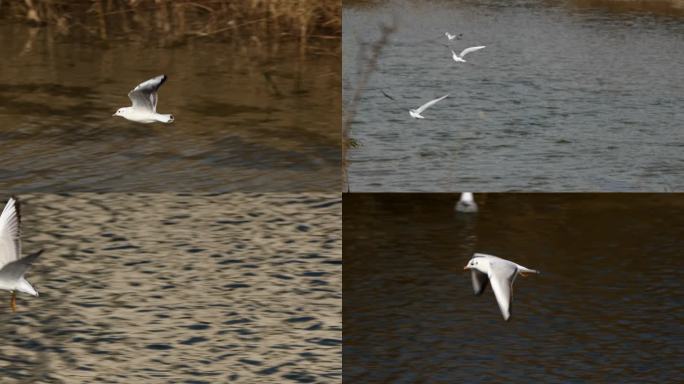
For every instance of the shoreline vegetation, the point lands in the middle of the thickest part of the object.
(175, 22)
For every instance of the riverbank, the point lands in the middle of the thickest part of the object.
(174, 22)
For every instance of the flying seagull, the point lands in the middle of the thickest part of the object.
(12, 265)
(144, 99)
(459, 58)
(416, 113)
(451, 37)
(498, 272)
(466, 203)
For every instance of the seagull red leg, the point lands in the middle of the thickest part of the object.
(13, 301)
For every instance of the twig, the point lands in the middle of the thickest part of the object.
(350, 109)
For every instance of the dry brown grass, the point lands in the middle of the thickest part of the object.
(176, 21)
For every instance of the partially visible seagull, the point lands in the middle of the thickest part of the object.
(144, 99)
(416, 113)
(451, 37)
(500, 273)
(12, 265)
(466, 203)
(459, 58)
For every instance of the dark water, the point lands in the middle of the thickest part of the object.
(567, 96)
(247, 118)
(607, 307)
(173, 288)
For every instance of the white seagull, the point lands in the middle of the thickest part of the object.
(466, 203)
(449, 35)
(12, 265)
(500, 273)
(416, 113)
(459, 58)
(144, 99)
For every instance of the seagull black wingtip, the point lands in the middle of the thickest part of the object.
(37, 253)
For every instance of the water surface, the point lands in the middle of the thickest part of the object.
(567, 96)
(607, 307)
(178, 288)
(248, 117)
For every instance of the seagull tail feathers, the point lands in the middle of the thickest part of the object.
(527, 270)
(15, 271)
(23, 285)
(26, 287)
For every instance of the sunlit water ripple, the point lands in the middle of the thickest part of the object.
(178, 288)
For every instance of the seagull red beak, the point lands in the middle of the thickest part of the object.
(467, 267)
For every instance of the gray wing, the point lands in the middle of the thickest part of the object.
(430, 103)
(145, 94)
(501, 276)
(16, 269)
(480, 281)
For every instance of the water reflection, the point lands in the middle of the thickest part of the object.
(607, 296)
(247, 118)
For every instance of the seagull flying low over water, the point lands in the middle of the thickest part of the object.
(451, 37)
(144, 99)
(12, 265)
(498, 272)
(416, 113)
(459, 58)
(466, 203)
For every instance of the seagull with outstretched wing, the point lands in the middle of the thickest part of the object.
(500, 274)
(417, 113)
(452, 36)
(144, 100)
(459, 58)
(12, 265)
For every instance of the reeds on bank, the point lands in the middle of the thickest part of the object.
(178, 20)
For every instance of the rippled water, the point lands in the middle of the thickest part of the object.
(607, 306)
(247, 118)
(567, 96)
(178, 288)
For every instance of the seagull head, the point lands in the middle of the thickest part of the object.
(477, 263)
(120, 112)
